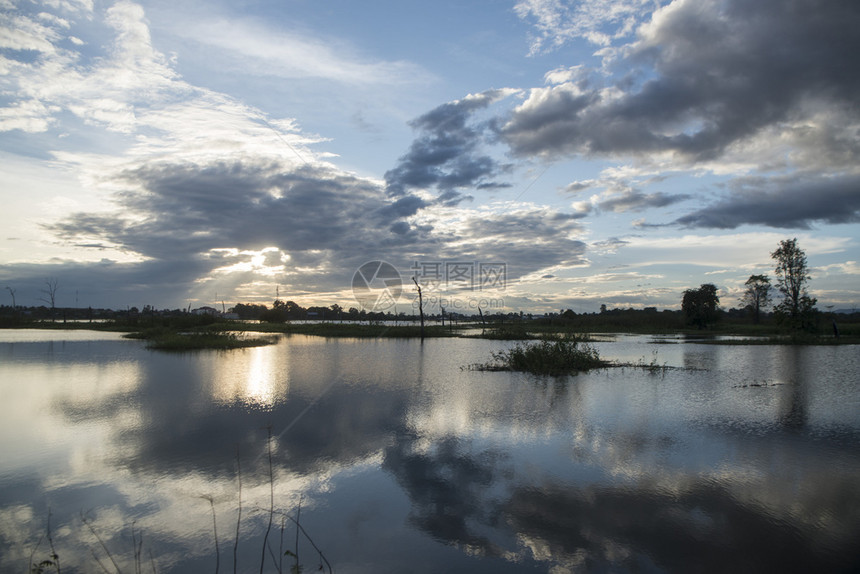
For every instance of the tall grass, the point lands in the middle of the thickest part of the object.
(108, 561)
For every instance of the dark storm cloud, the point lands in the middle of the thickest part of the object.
(452, 198)
(783, 203)
(404, 207)
(722, 72)
(176, 214)
(186, 209)
(446, 154)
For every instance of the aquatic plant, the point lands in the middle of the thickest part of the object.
(108, 560)
(553, 356)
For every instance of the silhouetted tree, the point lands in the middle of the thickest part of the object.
(248, 311)
(420, 306)
(792, 276)
(277, 314)
(50, 291)
(756, 296)
(701, 306)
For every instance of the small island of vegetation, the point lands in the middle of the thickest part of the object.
(166, 339)
(551, 356)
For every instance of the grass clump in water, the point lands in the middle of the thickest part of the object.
(167, 340)
(561, 356)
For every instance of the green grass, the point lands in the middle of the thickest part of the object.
(560, 356)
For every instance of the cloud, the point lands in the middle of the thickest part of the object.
(530, 239)
(635, 200)
(713, 75)
(110, 91)
(621, 194)
(447, 152)
(22, 34)
(107, 283)
(178, 211)
(207, 194)
(253, 47)
(782, 203)
(558, 23)
(611, 245)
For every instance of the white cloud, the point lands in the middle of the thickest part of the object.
(598, 21)
(28, 116)
(21, 33)
(252, 47)
(70, 5)
(846, 268)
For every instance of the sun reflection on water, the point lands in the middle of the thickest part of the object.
(257, 377)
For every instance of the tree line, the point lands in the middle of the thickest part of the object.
(795, 310)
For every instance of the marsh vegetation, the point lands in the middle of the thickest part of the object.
(555, 356)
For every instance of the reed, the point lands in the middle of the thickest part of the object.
(559, 356)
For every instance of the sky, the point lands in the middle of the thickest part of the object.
(528, 155)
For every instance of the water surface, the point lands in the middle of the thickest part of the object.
(396, 459)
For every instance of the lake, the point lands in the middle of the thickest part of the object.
(393, 457)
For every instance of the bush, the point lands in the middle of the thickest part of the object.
(561, 356)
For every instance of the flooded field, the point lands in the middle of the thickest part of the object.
(393, 457)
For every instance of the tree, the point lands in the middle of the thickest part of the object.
(420, 306)
(756, 297)
(248, 311)
(792, 276)
(50, 291)
(277, 314)
(701, 306)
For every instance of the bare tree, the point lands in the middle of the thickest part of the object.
(757, 294)
(12, 292)
(50, 291)
(420, 306)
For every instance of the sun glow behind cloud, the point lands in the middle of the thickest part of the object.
(267, 262)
